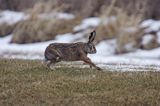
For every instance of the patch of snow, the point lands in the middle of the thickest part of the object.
(123, 59)
(109, 20)
(107, 47)
(147, 23)
(146, 39)
(129, 46)
(142, 54)
(86, 23)
(152, 25)
(11, 17)
(67, 38)
(65, 16)
(158, 35)
(5, 40)
(129, 67)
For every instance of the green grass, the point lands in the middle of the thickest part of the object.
(27, 83)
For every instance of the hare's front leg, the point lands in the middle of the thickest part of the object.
(88, 61)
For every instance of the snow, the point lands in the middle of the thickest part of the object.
(148, 54)
(106, 48)
(146, 39)
(130, 67)
(67, 38)
(65, 16)
(158, 35)
(86, 23)
(152, 25)
(109, 20)
(129, 46)
(11, 17)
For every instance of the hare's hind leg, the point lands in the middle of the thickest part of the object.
(50, 64)
(52, 58)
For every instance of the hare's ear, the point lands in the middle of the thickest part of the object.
(92, 36)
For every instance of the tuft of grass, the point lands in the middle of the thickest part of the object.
(115, 20)
(26, 82)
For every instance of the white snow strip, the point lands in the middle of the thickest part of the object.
(150, 54)
(11, 17)
(86, 23)
(67, 38)
(123, 59)
(65, 16)
(107, 47)
(109, 20)
(146, 39)
(129, 67)
(152, 25)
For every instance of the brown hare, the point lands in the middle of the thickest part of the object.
(57, 52)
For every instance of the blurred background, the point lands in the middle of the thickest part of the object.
(128, 31)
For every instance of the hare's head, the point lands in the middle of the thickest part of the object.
(90, 47)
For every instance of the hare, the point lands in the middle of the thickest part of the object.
(57, 52)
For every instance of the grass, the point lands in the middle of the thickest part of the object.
(28, 83)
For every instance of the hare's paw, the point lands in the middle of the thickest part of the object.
(98, 68)
(91, 67)
(52, 67)
(57, 58)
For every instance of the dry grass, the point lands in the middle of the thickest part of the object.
(37, 30)
(6, 29)
(28, 83)
(118, 19)
(48, 6)
(87, 8)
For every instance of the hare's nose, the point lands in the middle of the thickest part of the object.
(95, 51)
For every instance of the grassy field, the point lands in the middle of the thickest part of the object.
(28, 83)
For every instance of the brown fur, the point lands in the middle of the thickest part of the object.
(57, 52)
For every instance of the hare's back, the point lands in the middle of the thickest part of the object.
(63, 45)
(68, 51)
